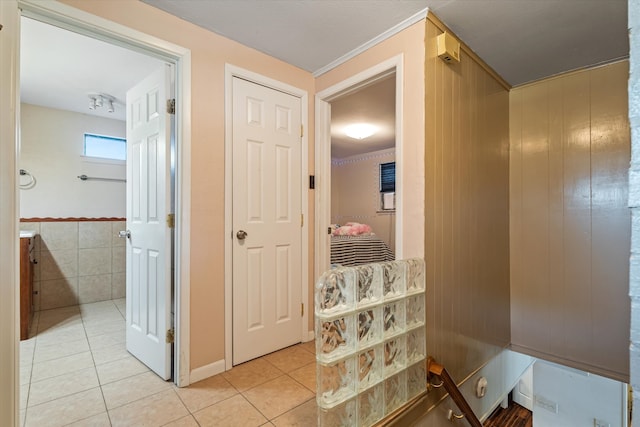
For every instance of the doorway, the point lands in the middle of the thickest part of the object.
(163, 52)
(285, 306)
(77, 217)
(387, 72)
(267, 192)
(363, 159)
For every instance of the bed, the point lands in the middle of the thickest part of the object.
(349, 251)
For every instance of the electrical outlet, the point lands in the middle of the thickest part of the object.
(600, 423)
(546, 404)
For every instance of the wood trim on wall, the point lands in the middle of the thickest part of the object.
(71, 219)
(572, 72)
(463, 46)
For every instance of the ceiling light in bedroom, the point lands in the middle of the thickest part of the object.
(360, 130)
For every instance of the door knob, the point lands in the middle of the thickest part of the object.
(124, 234)
(241, 235)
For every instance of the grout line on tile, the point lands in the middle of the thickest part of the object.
(91, 416)
(104, 402)
(62, 397)
(254, 406)
(297, 406)
(57, 357)
(267, 360)
(141, 398)
(263, 383)
(312, 391)
(66, 374)
(219, 402)
(28, 392)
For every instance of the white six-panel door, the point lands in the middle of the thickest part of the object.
(267, 273)
(148, 290)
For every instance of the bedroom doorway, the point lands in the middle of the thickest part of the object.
(363, 208)
(358, 208)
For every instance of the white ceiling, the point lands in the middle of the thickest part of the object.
(59, 69)
(374, 104)
(523, 40)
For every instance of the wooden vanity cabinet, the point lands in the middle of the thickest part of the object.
(26, 285)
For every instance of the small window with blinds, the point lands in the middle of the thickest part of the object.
(388, 186)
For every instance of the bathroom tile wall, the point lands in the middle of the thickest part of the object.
(78, 262)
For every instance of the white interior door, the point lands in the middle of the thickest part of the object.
(267, 220)
(149, 242)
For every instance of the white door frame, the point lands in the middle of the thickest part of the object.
(9, 261)
(230, 72)
(323, 154)
(85, 23)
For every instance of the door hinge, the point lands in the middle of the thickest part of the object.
(170, 336)
(301, 220)
(301, 309)
(301, 131)
(171, 220)
(171, 106)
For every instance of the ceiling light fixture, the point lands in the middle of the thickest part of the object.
(98, 100)
(360, 130)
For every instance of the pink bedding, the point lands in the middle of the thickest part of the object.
(352, 229)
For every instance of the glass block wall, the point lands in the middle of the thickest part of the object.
(370, 341)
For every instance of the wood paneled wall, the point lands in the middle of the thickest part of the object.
(570, 226)
(466, 209)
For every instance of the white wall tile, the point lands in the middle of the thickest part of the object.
(58, 264)
(58, 293)
(118, 260)
(59, 235)
(116, 227)
(94, 288)
(85, 255)
(118, 285)
(94, 234)
(94, 261)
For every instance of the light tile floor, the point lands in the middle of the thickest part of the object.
(75, 371)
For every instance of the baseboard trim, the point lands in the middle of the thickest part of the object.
(310, 336)
(207, 371)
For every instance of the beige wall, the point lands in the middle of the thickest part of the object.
(570, 226)
(209, 53)
(409, 43)
(51, 147)
(355, 193)
(467, 211)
